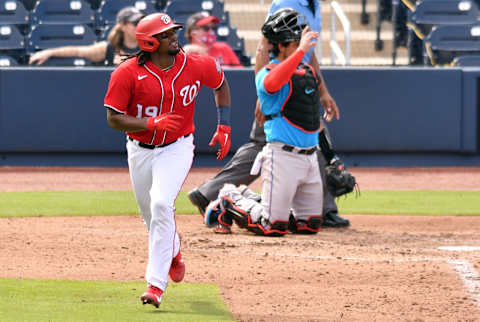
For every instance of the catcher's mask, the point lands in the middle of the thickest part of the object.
(150, 26)
(283, 26)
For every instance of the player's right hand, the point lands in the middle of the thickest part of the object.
(259, 116)
(223, 138)
(165, 122)
(39, 57)
(308, 40)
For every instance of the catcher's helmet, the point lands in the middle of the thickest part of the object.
(284, 25)
(151, 25)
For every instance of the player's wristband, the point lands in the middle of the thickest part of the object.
(223, 115)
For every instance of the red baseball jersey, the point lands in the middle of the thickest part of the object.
(223, 53)
(146, 90)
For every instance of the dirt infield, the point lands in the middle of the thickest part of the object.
(383, 268)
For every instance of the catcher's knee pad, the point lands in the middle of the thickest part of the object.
(215, 215)
(311, 225)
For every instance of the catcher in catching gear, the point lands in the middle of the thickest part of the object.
(288, 91)
(237, 170)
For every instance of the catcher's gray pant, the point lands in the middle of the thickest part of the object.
(290, 181)
(237, 172)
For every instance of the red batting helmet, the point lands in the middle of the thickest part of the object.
(152, 25)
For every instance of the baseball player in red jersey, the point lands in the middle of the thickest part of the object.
(151, 96)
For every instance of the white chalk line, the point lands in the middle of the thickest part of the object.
(460, 248)
(469, 276)
(466, 271)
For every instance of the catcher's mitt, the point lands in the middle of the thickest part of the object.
(338, 180)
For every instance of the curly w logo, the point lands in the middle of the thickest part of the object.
(189, 93)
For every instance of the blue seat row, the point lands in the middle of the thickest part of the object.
(454, 17)
(68, 12)
(414, 20)
(54, 23)
(454, 45)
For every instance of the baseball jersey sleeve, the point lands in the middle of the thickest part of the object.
(270, 103)
(212, 72)
(119, 90)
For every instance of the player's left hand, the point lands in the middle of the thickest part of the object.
(222, 137)
(331, 108)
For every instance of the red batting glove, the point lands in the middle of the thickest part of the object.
(165, 122)
(222, 137)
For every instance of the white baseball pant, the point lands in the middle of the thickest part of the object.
(157, 176)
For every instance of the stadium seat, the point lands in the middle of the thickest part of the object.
(161, 4)
(29, 4)
(63, 12)
(107, 13)
(60, 61)
(13, 13)
(7, 61)
(94, 4)
(467, 61)
(50, 36)
(180, 10)
(444, 43)
(229, 35)
(12, 42)
(11, 38)
(428, 14)
(431, 13)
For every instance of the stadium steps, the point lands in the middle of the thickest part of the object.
(249, 15)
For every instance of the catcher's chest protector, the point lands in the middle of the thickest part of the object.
(302, 107)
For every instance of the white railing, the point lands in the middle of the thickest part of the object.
(336, 51)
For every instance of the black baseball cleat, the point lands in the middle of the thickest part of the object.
(333, 219)
(198, 200)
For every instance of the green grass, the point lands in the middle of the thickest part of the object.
(48, 300)
(419, 202)
(106, 203)
(67, 203)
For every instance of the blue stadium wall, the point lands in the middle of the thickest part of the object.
(389, 117)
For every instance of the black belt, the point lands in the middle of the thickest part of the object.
(290, 148)
(150, 146)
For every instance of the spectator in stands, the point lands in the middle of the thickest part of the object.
(121, 41)
(200, 33)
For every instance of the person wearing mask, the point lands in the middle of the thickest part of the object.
(120, 42)
(201, 36)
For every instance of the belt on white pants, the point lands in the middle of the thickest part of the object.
(151, 147)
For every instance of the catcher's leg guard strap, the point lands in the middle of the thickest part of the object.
(240, 216)
(225, 219)
(310, 226)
